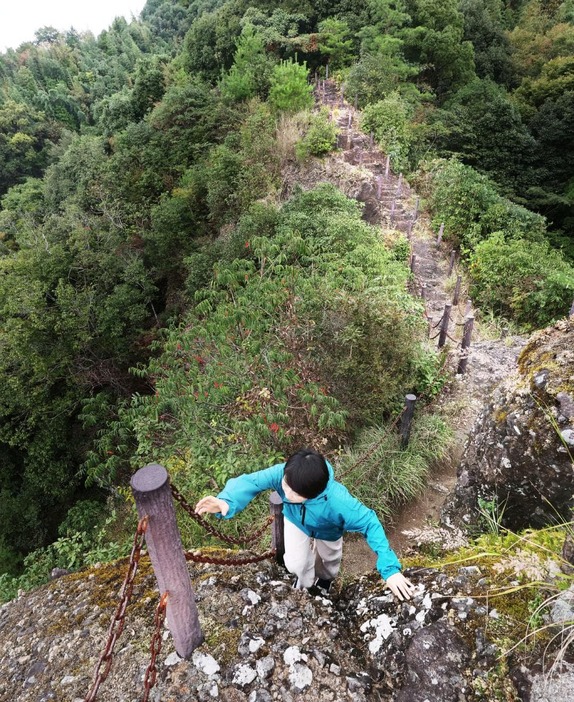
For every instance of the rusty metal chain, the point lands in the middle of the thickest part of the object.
(118, 620)
(239, 561)
(155, 647)
(234, 541)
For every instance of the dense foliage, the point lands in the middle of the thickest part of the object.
(142, 227)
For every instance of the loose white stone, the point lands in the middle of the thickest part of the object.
(244, 674)
(254, 598)
(292, 655)
(172, 659)
(67, 680)
(255, 644)
(300, 676)
(205, 663)
(264, 666)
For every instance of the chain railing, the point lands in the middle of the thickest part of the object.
(241, 540)
(155, 647)
(118, 620)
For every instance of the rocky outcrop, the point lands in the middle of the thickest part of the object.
(264, 640)
(518, 466)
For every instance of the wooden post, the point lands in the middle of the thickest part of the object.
(360, 158)
(468, 308)
(277, 527)
(387, 166)
(572, 310)
(326, 74)
(379, 186)
(409, 230)
(393, 212)
(407, 418)
(371, 140)
(440, 233)
(356, 100)
(444, 325)
(350, 122)
(452, 260)
(465, 345)
(400, 185)
(413, 262)
(456, 290)
(417, 203)
(152, 493)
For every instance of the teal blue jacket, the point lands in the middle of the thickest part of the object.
(327, 516)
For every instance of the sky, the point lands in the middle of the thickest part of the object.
(19, 19)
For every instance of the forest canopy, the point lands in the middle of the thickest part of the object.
(153, 277)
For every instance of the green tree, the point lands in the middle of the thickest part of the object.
(251, 71)
(290, 90)
(435, 42)
(336, 43)
(495, 141)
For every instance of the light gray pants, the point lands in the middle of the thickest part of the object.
(309, 558)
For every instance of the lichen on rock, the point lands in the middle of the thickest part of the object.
(518, 460)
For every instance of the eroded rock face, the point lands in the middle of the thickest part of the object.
(264, 640)
(518, 459)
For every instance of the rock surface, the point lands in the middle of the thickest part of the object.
(283, 645)
(518, 459)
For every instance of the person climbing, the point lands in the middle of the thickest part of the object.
(317, 511)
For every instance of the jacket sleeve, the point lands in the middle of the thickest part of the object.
(238, 492)
(365, 521)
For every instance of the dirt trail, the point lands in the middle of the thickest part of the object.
(390, 202)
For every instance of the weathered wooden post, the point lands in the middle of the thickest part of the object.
(444, 325)
(393, 204)
(413, 262)
(326, 73)
(572, 310)
(468, 308)
(417, 203)
(440, 233)
(152, 493)
(407, 419)
(277, 528)
(452, 261)
(379, 186)
(400, 185)
(350, 122)
(456, 290)
(387, 167)
(409, 230)
(465, 345)
(360, 158)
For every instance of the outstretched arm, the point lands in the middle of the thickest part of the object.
(360, 518)
(238, 492)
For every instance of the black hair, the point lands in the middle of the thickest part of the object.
(306, 473)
